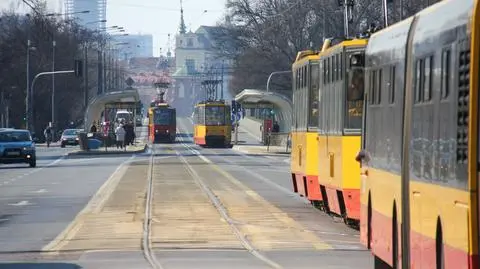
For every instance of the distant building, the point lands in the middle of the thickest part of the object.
(138, 46)
(95, 19)
(195, 61)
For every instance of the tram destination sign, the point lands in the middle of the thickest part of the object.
(123, 105)
(257, 105)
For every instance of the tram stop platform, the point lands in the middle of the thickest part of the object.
(140, 146)
(249, 141)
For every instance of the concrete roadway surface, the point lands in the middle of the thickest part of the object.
(207, 208)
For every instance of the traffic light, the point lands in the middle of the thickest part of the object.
(234, 106)
(78, 68)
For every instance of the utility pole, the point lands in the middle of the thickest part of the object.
(27, 92)
(2, 109)
(85, 75)
(99, 71)
(54, 44)
(348, 17)
(385, 12)
(223, 66)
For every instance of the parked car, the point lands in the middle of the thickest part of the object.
(69, 137)
(17, 146)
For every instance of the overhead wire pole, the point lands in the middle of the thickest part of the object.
(385, 12)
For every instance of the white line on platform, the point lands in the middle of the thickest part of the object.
(40, 191)
(22, 203)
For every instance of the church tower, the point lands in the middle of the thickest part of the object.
(183, 28)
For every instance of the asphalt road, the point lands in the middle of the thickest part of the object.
(89, 213)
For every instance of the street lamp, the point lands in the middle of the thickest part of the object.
(275, 73)
(54, 45)
(71, 13)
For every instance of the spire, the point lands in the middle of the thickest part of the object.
(183, 28)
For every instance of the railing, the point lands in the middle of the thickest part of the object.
(278, 139)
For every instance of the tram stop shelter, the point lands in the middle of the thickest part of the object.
(119, 100)
(279, 104)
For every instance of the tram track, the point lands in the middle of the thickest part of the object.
(147, 244)
(147, 224)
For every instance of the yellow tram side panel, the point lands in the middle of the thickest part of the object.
(200, 131)
(304, 166)
(339, 172)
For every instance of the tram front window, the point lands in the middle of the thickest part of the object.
(162, 117)
(214, 115)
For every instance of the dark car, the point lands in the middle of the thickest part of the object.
(69, 137)
(17, 146)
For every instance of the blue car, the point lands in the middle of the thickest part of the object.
(17, 146)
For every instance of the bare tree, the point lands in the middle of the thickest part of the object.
(70, 39)
(263, 36)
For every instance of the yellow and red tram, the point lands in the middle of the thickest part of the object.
(162, 123)
(420, 171)
(326, 132)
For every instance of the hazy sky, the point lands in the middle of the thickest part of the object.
(157, 17)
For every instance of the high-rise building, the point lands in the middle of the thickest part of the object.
(95, 19)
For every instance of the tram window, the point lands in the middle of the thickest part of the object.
(372, 87)
(324, 70)
(391, 92)
(445, 73)
(304, 76)
(355, 89)
(379, 88)
(427, 91)
(337, 70)
(327, 69)
(418, 81)
(332, 68)
(313, 95)
(341, 66)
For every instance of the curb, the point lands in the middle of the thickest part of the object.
(265, 153)
(100, 153)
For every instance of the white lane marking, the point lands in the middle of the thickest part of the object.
(36, 170)
(22, 203)
(40, 191)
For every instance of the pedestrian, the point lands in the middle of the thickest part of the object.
(93, 128)
(48, 135)
(276, 127)
(120, 136)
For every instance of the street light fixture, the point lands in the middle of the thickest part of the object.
(54, 45)
(72, 13)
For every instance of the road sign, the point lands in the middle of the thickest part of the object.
(129, 82)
